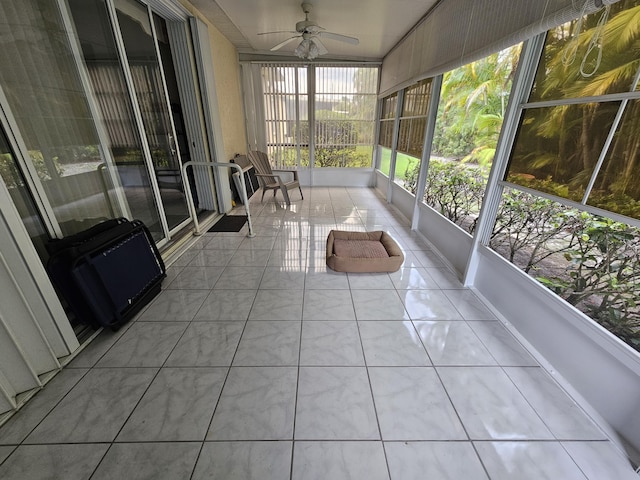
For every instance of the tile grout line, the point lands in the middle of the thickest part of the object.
(437, 373)
(333, 195)
(373, 401)
(295, 406)
(217, 402)
(143, 394)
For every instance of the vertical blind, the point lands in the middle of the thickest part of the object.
(285, 107)
(387, 119)
(344, 102)
(413, 119)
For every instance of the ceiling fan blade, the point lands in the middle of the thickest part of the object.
(282, 44)
(322, 50)
(340, 38)
(281, 31)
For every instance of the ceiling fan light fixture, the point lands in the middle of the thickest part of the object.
(307, 50)
(310, 47)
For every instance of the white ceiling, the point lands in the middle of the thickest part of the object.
(378, 24)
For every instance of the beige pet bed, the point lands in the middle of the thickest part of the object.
(363, 252)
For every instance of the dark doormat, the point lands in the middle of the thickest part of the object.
(229, 223)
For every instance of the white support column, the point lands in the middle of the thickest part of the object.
(311, 92)
(376, 133)
(394, 146)
(522, 83)
(298, 138)
(434, 101)
(376, 142)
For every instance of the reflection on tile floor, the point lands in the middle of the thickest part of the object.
(255, 362)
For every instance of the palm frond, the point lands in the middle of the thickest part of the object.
(605, 82)
(623, 29)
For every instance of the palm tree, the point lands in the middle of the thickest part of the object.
(475, 100)
(563, 143)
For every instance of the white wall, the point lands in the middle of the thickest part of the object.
(336, 177)
(453, 243)
(402, 200)
(380, 181)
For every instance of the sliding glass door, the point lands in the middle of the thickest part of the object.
(48, 111)
(14, 179)
(138, 36)
(88, 112)
(116, 111)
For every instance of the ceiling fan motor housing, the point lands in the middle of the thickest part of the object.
(307, 26)
(311, 46)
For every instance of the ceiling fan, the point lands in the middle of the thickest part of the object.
(310, 46)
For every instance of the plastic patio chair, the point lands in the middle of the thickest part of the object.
(270, 181)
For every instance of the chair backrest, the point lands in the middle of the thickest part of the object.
(260, 162)
(242, 161)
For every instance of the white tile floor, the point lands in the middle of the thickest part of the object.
(255, 362)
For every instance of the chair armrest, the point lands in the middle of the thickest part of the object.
(277, 177)
(294, 172)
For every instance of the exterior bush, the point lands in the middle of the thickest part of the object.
(590, 261)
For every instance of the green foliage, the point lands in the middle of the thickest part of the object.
(591, 261)
(135, 156)
(344, 124)
(288, 157)
(331, 137)
(453, 189)
(472, 107)
(406, 167)
(335, 137)
(616, 202)
(525, 225)
(123, 155)
(561, 145)
(341, 156)
(410, 179)
(45, 170)
(8, 170)
(161, 157)
(545, 185)
(13, 178)
(78, 154)
(447, 143)
(603, 274)
(385, 160)
(620, 35)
